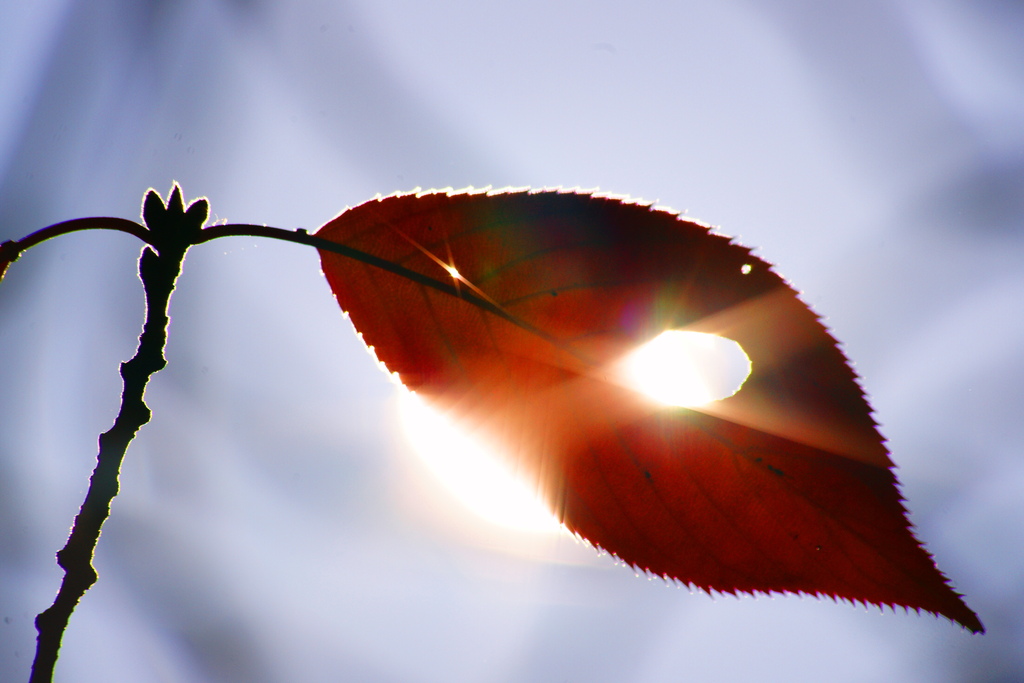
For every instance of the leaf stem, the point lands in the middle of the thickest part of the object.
(300, 236)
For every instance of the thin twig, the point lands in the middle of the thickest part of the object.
(158, 274)
(11, 250)
(170, 232)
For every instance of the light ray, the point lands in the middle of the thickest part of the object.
(472, 471)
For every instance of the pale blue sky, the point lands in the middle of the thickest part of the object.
(275, 526)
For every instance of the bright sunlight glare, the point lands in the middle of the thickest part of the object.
(689, 369)
(471, 471)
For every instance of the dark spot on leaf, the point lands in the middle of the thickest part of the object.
(776, 470)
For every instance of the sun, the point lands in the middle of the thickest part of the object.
(689, 369)
(472, 471)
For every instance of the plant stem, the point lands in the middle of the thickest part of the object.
(158, 272)
(10, 251)
(447, 287)
(170, 230)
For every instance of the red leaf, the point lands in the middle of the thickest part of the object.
(509, 309)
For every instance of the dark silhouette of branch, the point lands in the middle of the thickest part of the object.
(170, 231)
(11, 250)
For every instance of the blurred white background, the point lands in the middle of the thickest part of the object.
(274, 524)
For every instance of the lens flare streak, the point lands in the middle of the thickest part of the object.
(472, 471)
